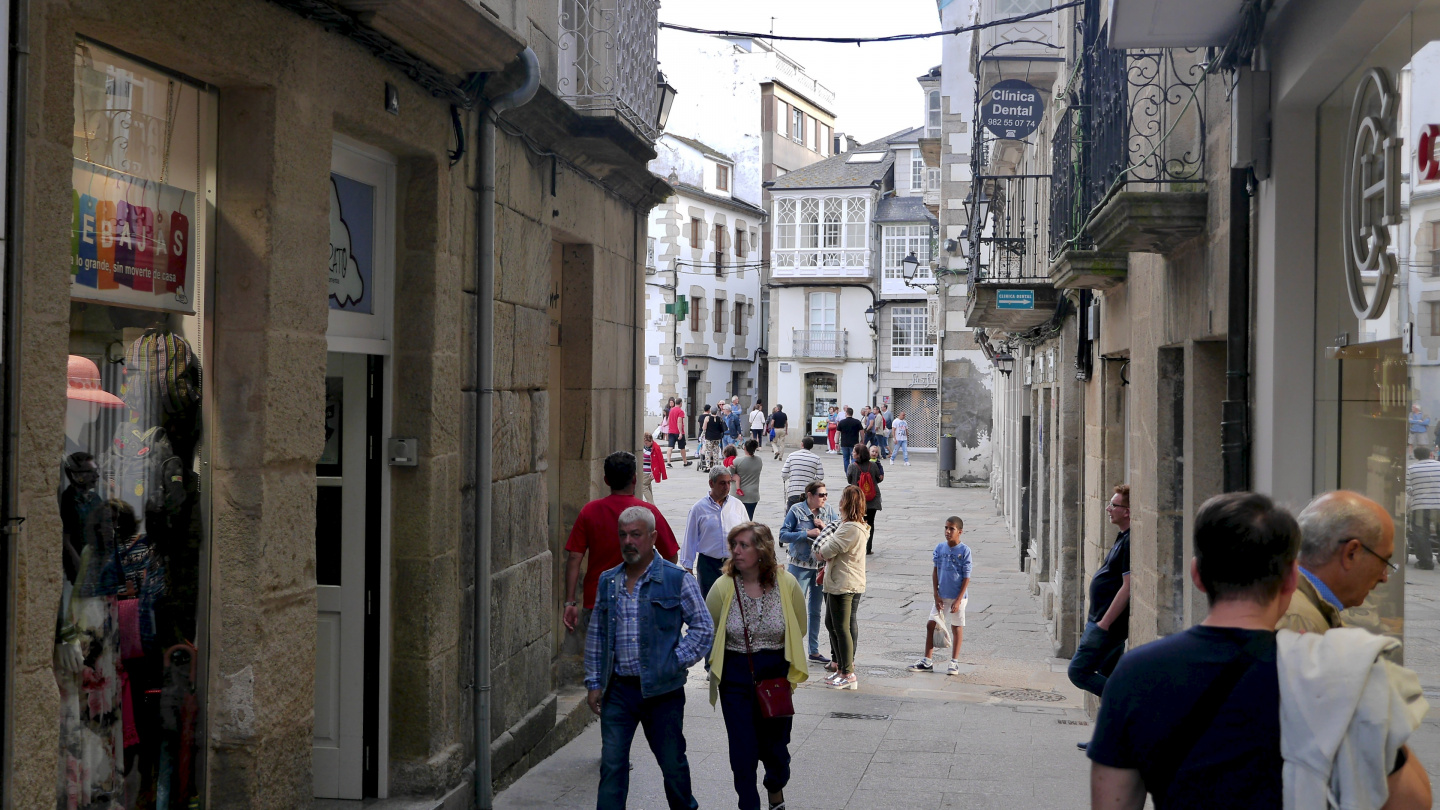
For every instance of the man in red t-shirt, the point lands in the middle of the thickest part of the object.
(675, 429)
(597, 530)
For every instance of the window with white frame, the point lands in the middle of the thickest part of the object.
(1006, 8)
(932, 120)
(797, 125)
(909, 333)
(822, 311)
(821, 232)
(900, 241)
(932, 179)
(917, 170)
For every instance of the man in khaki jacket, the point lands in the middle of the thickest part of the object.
(1345, 553)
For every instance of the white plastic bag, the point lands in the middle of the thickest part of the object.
(940, 637)
(732, 514)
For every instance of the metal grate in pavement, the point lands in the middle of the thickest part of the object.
(1073, 722)
(1028, 694)
(854, 716)
(884, 672)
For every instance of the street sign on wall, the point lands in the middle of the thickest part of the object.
(1014, 299)
(1012, 109)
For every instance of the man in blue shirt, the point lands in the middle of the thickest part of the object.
(636, 661)
(950, 579)
(705, 550)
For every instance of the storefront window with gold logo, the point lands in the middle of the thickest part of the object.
(132, 489)
(1377, 300)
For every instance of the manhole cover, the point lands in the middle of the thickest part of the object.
(854, 716)
(1028, 694)
(1073, 722)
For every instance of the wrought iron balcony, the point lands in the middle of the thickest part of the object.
(1135, 122)
(822, 343)
(1015, 210)
(608, 62)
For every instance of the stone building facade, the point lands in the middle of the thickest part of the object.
(312, 576)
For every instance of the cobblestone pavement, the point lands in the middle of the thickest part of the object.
(920, 740)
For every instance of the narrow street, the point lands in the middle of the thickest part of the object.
(1001, 734)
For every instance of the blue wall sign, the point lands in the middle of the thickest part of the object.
(1014, 299)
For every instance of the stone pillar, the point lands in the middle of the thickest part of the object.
(1204, 391)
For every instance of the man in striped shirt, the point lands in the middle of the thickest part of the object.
(800, 468)
(1422, 490)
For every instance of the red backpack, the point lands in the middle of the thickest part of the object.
(866, 483)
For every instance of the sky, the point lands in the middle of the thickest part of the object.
(874, 84)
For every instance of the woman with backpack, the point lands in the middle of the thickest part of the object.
(867, 475)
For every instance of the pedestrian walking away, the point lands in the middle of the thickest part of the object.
(950, 582)
(760, 627)
(843, 553)
(757, 422)
(652, 471)
(636, 658)
(779, 430)
(866, 473)
(712, 429)
(1107, 625)
(1230, 713)
(1348, 541)
(594, 533)
(705, 551)
(849, 429)
(800, 469)
(675, 430)
(805, 523)
(900, 430)
(1422, 495)
(748, 467)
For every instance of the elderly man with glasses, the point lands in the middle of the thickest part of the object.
(1107, 625)
(1347, 542)
(805, 521)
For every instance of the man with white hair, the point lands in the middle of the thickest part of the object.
(705, 549)
(1347, 541)
(636, 661)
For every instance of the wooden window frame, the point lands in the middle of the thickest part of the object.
(696, 240)
(739, 316)
(722, 177)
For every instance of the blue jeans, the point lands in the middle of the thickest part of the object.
(845, 454)
(662, 716)
(884, 443)
(902, 447)
(1095, 658)
(816, 596)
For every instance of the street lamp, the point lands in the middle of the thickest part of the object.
(667, 100)
(870, 313)
(1005, 363)
(909, 266)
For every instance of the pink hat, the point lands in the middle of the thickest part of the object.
(84, 384)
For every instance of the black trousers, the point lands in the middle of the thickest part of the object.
(870, 520)
(754, 739)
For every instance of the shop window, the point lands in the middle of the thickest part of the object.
(132, 494)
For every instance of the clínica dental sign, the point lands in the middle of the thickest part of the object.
(1011, 109)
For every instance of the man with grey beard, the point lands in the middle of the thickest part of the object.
(636, 660)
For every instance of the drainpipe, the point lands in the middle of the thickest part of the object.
(1234, 411)
(19, 82)
(485, 411)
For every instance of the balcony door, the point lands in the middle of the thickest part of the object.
(823, 309)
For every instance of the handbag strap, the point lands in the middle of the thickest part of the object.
(745, 625)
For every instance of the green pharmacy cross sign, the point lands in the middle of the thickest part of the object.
(679, 309)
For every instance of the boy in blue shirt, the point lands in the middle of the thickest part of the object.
(951, 581)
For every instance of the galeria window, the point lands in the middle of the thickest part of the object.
(900, 241)
(812, 233)
(909, 333)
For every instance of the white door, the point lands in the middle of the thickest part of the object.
(340, 531)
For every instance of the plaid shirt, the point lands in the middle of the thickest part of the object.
(693, 646)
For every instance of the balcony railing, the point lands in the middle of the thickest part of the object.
(608, 60)
(823, 343)
(1012, 241)
(1136, 120)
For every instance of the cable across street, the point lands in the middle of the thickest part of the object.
(863, 40)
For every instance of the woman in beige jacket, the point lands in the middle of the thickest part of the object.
(844, 556)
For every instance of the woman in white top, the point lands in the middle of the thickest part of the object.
(757, 423)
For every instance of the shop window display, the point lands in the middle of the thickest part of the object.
(131, 496)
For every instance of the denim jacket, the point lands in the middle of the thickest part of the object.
(732, 425)
(664, 605)
(793, 531)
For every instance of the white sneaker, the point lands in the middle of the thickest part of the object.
(954, 667)
(907, 464)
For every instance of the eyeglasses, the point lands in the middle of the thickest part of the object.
(1115, 506)
(1394, 569)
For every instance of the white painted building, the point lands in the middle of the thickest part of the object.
(704, 248)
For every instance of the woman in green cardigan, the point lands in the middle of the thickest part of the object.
(771, 611)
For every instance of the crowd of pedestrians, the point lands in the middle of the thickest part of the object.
(1269, 702)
